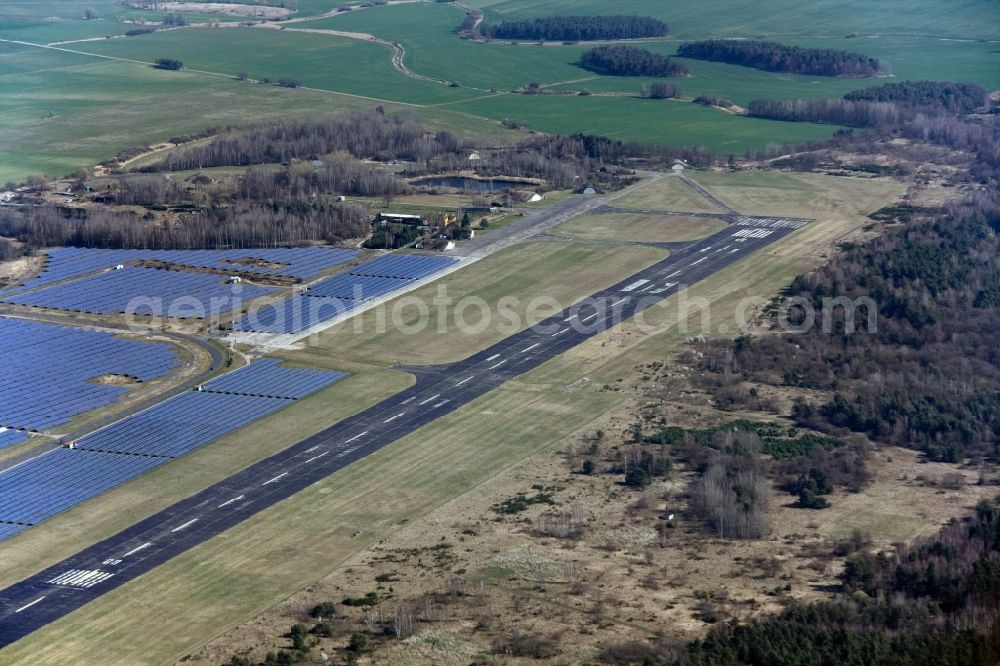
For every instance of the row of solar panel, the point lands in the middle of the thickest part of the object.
(343, 293)
(304, 262)
(295, 314)
(11, 437)
(145, 291)
(267, 377)
(48, 371)
(56, 481)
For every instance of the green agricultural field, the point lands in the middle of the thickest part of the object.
(640, 228)
(633, 119)
(317, 61)
(961, 19)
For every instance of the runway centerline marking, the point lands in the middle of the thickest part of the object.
(433, 397)
(27, 606)
(498, 364)
(464, 380)
(136, 550)
(491, 358)
(525, 351)
(187, 524)
(393, 418)
(235, 499)
(317, 457)
(588, 318)
(280, 476)
(356, 437)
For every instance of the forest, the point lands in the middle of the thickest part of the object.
(622, 60)
(578, 28)
(936, 96)
(776, 57)
(928, 376)
(933, 602)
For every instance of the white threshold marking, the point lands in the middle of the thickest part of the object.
(525, 351)
(317, 457)
(393, 418)
(280, 476)
(187, 524)
(695, 263)
(356, 437)
(27, 606)
(228, 502)
(635, 285)
(136, 550)
(433, 397)
(495, 356)
(464, 380)
(112, 562)
(84, 578)
(498, 364)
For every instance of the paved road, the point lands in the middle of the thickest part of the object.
(439, 390)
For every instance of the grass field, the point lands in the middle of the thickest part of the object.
(962, 19)
(549, 270)
(201, 593)
(667, 194)
(641, 228)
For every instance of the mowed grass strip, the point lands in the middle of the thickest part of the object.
(667, 194)
(260, 562)
(640, 228)
(531, 279)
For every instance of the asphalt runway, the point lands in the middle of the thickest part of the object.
(439, 390)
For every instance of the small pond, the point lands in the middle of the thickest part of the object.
(470, 184)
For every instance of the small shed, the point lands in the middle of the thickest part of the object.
(590, 191)
(677, 168)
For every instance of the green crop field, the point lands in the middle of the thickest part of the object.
(68, 110)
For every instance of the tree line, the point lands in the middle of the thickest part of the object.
(933, 602)
(935, 96)
(776, 57)
(578, 28)
(928, 377)
(622, 60)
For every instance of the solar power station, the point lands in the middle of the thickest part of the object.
(344, 292)
(51, 483)
(34, 400)
(11, 437)
(300, 262)
(129, 290)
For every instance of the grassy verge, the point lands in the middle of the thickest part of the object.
(641, 228)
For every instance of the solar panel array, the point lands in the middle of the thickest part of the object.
(181, 294)
(267, 377)
(57, 480)
(295, 314)
(344, 292)
(47, 368)
(301, 262)
(180, 425)
(11, 437)
(53, 482)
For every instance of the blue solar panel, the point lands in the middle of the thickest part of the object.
(47, 371)
(267, 377)
(57, 480)
(343, 292)
(300, 262)
(145, 291)
(11, 437)
(294, 314)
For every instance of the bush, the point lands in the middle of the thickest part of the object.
(168, 64)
